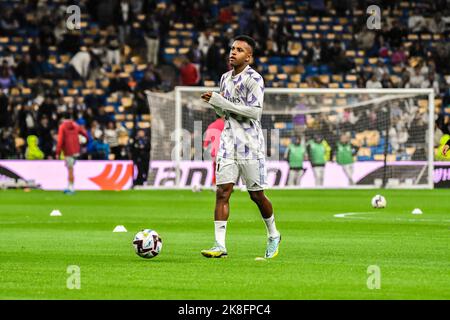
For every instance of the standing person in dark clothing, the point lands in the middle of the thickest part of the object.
(213, 58)
(141, 156)
(7, 146)
(44, 132)
(5, 117)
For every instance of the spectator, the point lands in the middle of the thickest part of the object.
(260, 31)
(24, 69)
(316, 8)
(381, 69)
(313, 53)
(140, 147)
(196, 55)
(27, 119)
(398, 136)
(417, 50)
(102, 117)
(214, 63)
(48, 109)
(396, 34)
(42, 68)
(113, 48)
(44, 132)
(225, 15)
(124, 18)
(399, 56)
(152, 39)
(416, 78)
(99, 149)
(373, 82)
(205, 40)
(33, 152)
(7, 144)
(365, 39)
(431, 82)
(417, 22)
(80, 64)
(341, 64)
(118, 83)
(245, 18)
(5, 110)
(105, 13)
(7, 79)
(188, 73)
(343, 7)
(8, 23)
(112, 139)
(283, 36)
(150, 81)
(387, 82)
(123, 151)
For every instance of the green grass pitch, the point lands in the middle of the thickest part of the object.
(321, 256)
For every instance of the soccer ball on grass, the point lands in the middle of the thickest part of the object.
(379, 201)
(147, 243)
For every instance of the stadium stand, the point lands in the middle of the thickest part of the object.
(101, 71)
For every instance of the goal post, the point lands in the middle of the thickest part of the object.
(391, 130)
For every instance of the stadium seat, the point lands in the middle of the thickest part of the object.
(209, 83)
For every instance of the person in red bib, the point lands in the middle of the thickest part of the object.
(69, 145)
(212, 139)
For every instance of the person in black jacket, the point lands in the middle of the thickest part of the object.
(140, 149)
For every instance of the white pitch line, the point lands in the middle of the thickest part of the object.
(344, 215)
(351, 215)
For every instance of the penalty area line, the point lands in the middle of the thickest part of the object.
(352, 215)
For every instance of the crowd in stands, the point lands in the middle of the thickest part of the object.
(99, 72)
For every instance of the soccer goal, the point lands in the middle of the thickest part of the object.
(390, 131)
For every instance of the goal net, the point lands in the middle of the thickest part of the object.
(387, 135)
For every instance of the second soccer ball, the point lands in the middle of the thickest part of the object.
(379, 201)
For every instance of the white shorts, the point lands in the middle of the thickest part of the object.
(253, 172)
(70, 161)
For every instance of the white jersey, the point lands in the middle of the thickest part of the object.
(242, 137)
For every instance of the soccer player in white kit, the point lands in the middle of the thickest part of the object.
(242, 148)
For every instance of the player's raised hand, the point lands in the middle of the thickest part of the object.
(445, 149)
(206, 96)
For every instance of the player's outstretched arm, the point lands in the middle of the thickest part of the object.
(206, 97)
(253, 112)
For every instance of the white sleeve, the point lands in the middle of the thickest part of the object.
(252, 107)
(217, 109)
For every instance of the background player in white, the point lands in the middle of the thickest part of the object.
(242, 148)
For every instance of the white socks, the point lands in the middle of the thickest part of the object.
(271, 227)
(220, 228)
(71, 186)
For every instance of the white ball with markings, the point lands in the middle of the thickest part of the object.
(379, 201)
(147, 243)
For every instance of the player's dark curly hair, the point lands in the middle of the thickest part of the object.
(249, 40)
